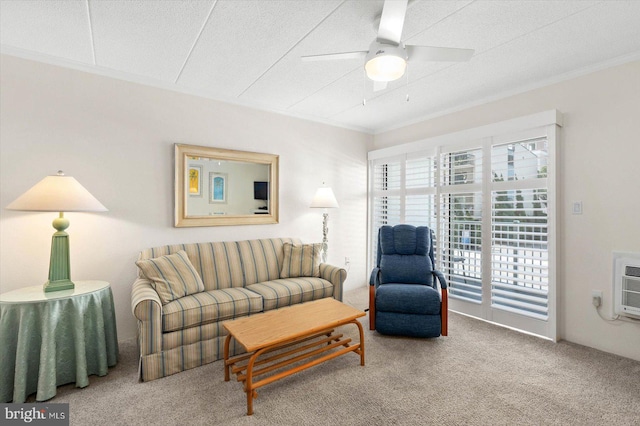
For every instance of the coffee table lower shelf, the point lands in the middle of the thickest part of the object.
(315, 348)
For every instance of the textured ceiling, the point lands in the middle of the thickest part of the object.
(248, 52)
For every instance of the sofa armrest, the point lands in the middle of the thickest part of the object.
(335, 276)
(147, 308)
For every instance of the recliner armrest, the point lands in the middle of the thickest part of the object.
(375, 277)
(441, 278)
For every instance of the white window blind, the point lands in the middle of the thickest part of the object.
(460, 244)
(420, 210)
(387, 177)
(402, 191)
(461, 222)
(421, 172)
(419, 198)
(519, 228)
(461, 167)
(386, 210)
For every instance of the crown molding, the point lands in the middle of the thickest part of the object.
(158, 84)
(620, 60)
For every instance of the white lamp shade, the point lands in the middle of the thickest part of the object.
(57, 193)
(325, 199)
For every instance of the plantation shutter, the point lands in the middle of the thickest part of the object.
(419, 199)
(403, 191)
(461, 223)
(519, 228)
(386, 197)
(386, 182)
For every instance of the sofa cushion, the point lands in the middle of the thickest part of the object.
(262, 259)
(285, 292)
(209, 306)
(301, 260)
(172, 276)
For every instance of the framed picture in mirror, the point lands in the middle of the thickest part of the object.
(217, 187)
(195, 181)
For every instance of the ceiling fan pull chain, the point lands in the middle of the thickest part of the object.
(364, 87)
(407, 74)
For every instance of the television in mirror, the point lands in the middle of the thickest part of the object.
(260, 190)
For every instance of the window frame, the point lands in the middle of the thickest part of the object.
(542, 125)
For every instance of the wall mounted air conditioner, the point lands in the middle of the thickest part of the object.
(626, 284)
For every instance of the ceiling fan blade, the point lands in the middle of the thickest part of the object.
(438, 54)
(379, 85)
(392, 21)
(334, 56)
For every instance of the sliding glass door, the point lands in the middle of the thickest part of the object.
(490, 205)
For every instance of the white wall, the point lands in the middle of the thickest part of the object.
(116, 138)
(599, 159)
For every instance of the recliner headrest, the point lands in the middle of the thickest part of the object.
(405, 240)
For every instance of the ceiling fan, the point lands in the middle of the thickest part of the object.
(386, 59)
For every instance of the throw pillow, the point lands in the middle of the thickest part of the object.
(172, 276)
(301, 260)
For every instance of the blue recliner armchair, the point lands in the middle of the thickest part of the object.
(404, 298)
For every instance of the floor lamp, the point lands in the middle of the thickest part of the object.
(324, 199)
(58, 193)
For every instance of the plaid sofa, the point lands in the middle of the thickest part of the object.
(240, 278)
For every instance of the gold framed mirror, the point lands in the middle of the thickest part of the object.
(217, 187)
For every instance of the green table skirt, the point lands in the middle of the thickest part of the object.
(55, 342)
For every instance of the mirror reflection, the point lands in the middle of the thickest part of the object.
(224, 187)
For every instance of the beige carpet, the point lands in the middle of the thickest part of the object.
(480, 375)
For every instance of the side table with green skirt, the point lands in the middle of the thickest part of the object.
(56, 338)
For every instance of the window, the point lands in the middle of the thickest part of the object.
(519, 228)
(460, 222)
(386, 200)
(488, 200)
(402, 191)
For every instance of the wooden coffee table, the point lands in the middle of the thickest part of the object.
(298, 333)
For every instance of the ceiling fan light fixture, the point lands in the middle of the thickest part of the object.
(385, 62)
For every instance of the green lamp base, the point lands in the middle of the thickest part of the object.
(58, 285)
(59, 265)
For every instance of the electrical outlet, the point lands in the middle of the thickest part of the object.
(347, 260)
(577, 207)
(596, 298)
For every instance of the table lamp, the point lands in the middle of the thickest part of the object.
(324, 199)
(58, 193)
